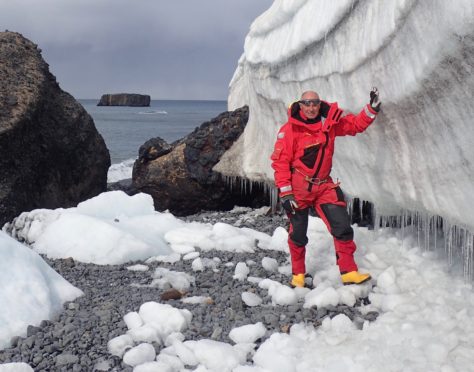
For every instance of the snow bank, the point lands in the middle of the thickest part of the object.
(30, 290)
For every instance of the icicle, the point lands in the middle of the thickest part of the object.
(430, 232)
(350, 209)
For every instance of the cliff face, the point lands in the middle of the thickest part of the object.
(418, 154)
(124, 99)
(51, 154)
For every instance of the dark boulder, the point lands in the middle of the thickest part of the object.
(206, 145)
(51, 154)
(125, 99)
(153, 149)
(182, 180)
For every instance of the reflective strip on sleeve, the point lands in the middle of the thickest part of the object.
(286, 188)
(368, 113)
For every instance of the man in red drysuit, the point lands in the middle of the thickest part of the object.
(302, 160)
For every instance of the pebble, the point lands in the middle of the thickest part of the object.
(66, 358)
(76, 340)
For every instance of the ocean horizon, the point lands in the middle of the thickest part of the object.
(125, 128)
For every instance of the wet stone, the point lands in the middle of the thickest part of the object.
(64, 359)
(216, 334)
(14, 341)
(32, 330)
(371, 316)
(28, 342)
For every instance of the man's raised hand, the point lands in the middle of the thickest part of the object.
(374, 99)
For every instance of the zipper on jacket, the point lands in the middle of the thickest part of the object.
(310, 187)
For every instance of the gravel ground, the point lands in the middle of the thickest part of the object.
(77, 339)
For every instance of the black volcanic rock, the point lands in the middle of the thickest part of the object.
(153, 149)
(206, 145)
(125, 99)
(182, 180)
(51, 154)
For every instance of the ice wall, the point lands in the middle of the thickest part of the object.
(419, 153)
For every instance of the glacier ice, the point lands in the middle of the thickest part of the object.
(419, 153)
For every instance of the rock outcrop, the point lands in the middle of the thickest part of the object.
(180, 178)
(125, 99)
(51, 154)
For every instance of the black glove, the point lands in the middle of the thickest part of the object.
(374, 99)
(289, 203)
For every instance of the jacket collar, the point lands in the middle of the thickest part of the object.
(324, 124)
(297, 117)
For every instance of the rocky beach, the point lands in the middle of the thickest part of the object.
(77, 339)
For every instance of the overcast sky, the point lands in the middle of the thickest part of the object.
(170, 49)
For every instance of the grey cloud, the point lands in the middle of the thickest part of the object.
(171, 49)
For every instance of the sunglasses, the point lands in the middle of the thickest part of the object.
(309, 102)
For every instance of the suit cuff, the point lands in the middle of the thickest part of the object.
(370, 112)
(285, 190)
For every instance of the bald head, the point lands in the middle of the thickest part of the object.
(310, 94)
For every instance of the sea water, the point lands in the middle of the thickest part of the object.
(125, 129)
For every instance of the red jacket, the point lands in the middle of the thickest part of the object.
(308, 148)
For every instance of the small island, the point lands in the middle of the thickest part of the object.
(125, 99)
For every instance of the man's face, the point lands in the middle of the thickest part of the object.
(309, 104)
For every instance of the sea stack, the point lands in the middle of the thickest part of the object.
(51, 154)
(125, 99)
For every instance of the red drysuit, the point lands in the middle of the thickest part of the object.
(302, 160)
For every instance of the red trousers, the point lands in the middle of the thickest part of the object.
(328, 201)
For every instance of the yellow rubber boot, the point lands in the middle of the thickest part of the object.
(354, 277)
(297, 281)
